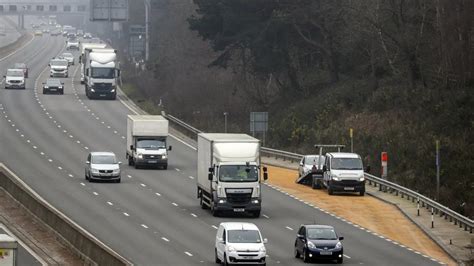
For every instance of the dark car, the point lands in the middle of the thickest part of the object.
(318, 242)
(23, 67)
(53, 85)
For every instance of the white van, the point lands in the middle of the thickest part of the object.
(240, 243)
(15, 79)
(344, 172)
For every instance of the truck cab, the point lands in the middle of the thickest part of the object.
(343, 172)
(101, 73)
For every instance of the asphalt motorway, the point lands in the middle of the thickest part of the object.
(153, 217)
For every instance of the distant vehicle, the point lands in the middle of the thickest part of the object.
(15, 79)
(146, 140)
(55, 32)
(80, 33)
(239, 243)
(344, 172)
(87, 35)
(101, 72)
(38, 33)
(72, 44)
(23, 67)
(58, 67)
(228, 173)
(45, 30)
(318, 241)
(69, 57)
(311, 163)
(102, 166)
(53, 85)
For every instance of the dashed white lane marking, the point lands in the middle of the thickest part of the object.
(177, 169)
(191, 177)
(34, 147)
(193, 215)
(110, 203)
(266, 216)
(82, 184)
(215, 227)
(165, 239)
(347, 256)
(49, 160)
(129, 176)
(175, 204)
(70, 175)
(144, 226)
(158, 194)
(60, 168)
(95, 193)
(189, 254)
(289, 228)
(143, 185)
(126, 214)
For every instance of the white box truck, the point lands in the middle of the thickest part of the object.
(146, 141)
(229, 173)
(101, 72)
(83, 46)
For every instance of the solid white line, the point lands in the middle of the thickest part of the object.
(144, 226)
(165, 239)
(189, 254)
(289, 228)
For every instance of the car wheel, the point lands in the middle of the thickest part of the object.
(306, 258)
(297, 253)
(225, 260)
(44, 91)
(87, 178)
(340, 260)
(118, 180)
(217, 260)
(256, 214)
(130, 160)
(165, 167)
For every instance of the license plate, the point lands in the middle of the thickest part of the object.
(152, 161)
(325, 253)
(102, 95)
(247, 257)
(239, 210)
(52, 89)
(348, 188)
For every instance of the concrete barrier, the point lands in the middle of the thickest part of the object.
(92, 250)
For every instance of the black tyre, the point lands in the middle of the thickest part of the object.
(87, 178)
(165, 166)
(130, 161)
(297, 253)
(256, 214)
(225, 261)
(306, 257)
(44, 91)
(214, 212)
(217, 260)
(340, 260)
(118, 180)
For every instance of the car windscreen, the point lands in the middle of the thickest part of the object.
(321, 233)
(53, 82)
(313, 160)
(243, 236)
(151, 144)
(103, 73)
(59, 63)
(66, 55)
(238, 173)
(346, 164)
(15, 73)
(103, 159)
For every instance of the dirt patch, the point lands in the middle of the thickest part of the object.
(368, 212)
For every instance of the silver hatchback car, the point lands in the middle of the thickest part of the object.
(102, 166)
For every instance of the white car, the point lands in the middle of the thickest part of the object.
(15, 79)
(102, 166)
(72, 43)
(240, 243)
(69, 57)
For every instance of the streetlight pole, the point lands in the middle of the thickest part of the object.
(225, 121)
(147, 36)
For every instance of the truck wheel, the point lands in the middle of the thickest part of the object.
(214, 212)
(130, 161)
(306, 257)
(361, 193)
(217, 260)
(256, 214)
(330, 192)
(339, 261)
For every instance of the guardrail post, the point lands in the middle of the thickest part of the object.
(432, 218)
(418, 207)
(402, 195)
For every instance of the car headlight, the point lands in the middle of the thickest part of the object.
(231, 249)
(221, 201)
(255, 201)
(139, 155)
(60, 87)
(335, 178)
(164, 157)
(311, 245)
(46, 87)
(116, 171)
(339, 245)
(113, 90)
(92, 89)
(361, 178)
(262, 249)
(95, 171)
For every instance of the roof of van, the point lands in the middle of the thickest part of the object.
(227, 137)
(239, 226)
(343, 155)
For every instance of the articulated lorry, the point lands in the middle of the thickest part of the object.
(101, 72)
(83, 46)
(146, 141)
(228, 177)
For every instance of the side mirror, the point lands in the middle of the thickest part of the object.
(299, 236)
(87, 162)
(341, 238)
(265, 241)
(118, 72)
(170, 148)
(265, 175)
(221, 240)
(367, 169)
(132, 148)
(325, 168)
(301, 163)
(211, 169)
(209, 176)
